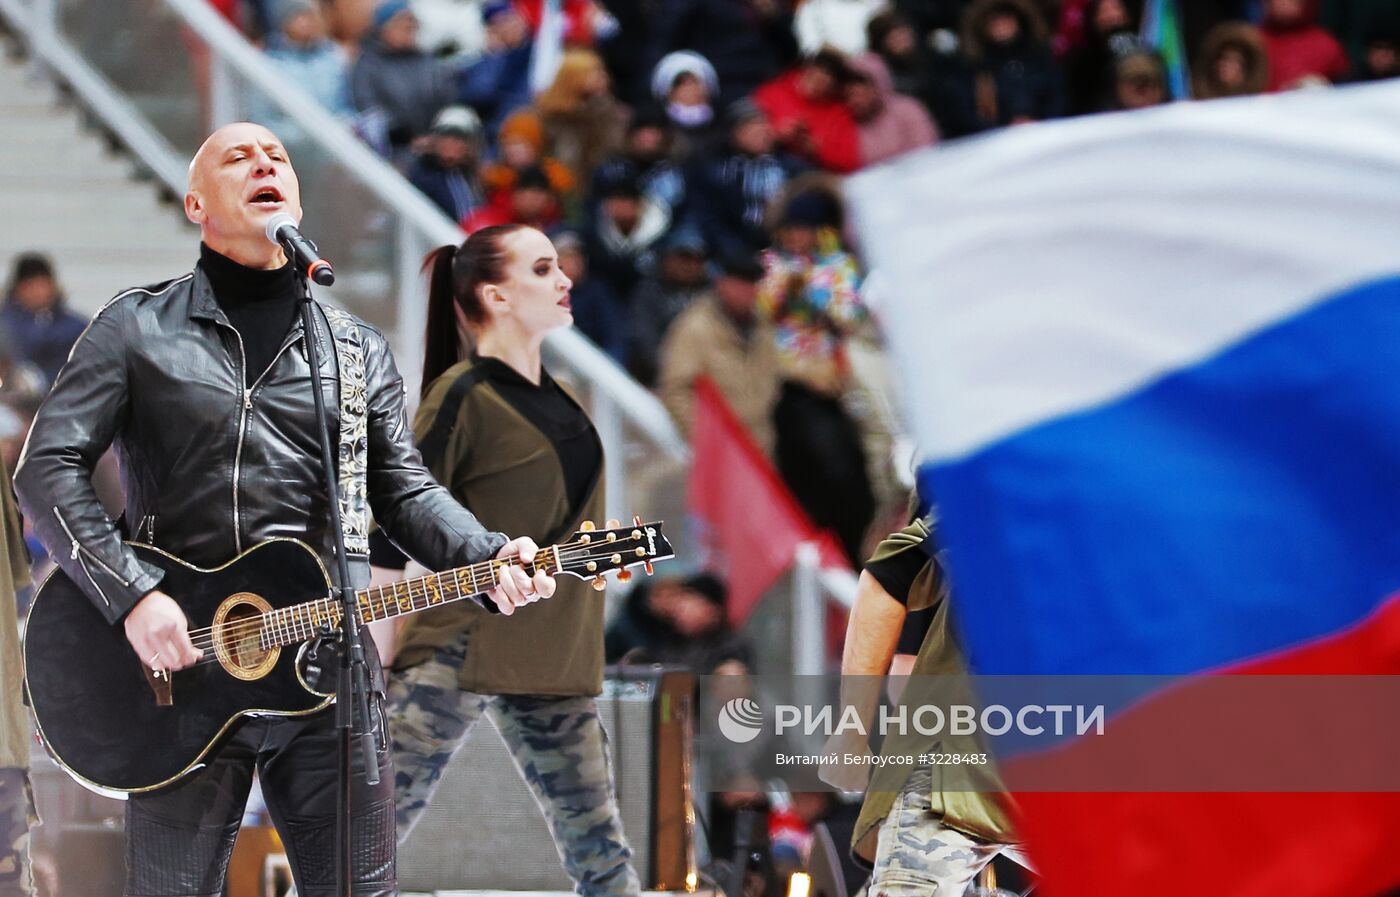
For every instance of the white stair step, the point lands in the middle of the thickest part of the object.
(67, 195)
(62, 202)
(36, 128)
(81, 156)
(120, 226)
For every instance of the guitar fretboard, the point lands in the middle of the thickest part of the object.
(291, 625)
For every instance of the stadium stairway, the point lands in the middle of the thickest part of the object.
(68, 194)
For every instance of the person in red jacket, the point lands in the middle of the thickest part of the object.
(806, 108)
(1299, 48)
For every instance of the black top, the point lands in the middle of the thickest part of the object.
(260, 304)
(550, 410)
(896, 574)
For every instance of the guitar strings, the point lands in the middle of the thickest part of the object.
(566, 554)
(486, 564)
(415, 588)
(258, 625)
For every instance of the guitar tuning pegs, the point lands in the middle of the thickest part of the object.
(614, 523)
(587, 526)
(624, 575)
(599, 583)
(636, 520)
(646, 565)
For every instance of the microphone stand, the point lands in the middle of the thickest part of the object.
(352, 680)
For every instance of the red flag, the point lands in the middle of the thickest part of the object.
(752, 523)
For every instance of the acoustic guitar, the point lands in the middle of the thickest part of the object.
(262, 619)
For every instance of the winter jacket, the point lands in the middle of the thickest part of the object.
(1241, 36)
(322, 70)
(651, 309)
(41, 338)
(1001, 85)
(497, 84)
(623, 259)
(1302, 50)
(745, 47)
(835, 146)
(814, 304)
(456, 192)
(1089, 67)
(732, 192)
(582, 139)
(902, 124)
(743, 364)
(1356, 22)
(406, 88)
(662, 181)
(600, 315)
(636, 628)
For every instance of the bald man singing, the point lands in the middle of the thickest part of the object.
(202, 386)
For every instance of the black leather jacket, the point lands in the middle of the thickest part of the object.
(209, 468)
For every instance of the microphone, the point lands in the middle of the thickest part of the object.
(282, 229)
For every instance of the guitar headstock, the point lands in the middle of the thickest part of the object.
(590, 552)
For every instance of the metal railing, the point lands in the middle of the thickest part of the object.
(814, 587)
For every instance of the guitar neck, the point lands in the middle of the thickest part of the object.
(290, 625)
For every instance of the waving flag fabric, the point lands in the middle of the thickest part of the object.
(750, 523)
(1161, 30)
(1154, 363)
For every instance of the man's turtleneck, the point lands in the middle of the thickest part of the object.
(260, 304)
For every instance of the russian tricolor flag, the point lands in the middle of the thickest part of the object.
(1153, 362)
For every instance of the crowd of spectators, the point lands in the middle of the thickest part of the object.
(37, 331)
(685, 155)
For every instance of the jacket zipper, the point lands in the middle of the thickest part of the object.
(77, 555)
(243, 418)
(242, 427)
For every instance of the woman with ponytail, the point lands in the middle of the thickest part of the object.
(515, 447)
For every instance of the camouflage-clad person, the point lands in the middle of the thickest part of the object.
(923, 837)
(16, 798)
(514, 446)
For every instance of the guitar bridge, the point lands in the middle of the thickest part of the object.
(159, 681)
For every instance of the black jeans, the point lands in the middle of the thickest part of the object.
(178, 841)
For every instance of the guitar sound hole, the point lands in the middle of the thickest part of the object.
(238, 631)
(245, 644)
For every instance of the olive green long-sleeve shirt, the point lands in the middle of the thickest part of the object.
(499, 464)
(14, 575)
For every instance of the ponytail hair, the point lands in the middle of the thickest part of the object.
(455, 276)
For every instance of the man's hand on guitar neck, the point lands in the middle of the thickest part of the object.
(517, 589)
(159, 633)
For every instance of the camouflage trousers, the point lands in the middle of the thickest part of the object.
(918, 856)
(16, 817)
(558, 745)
